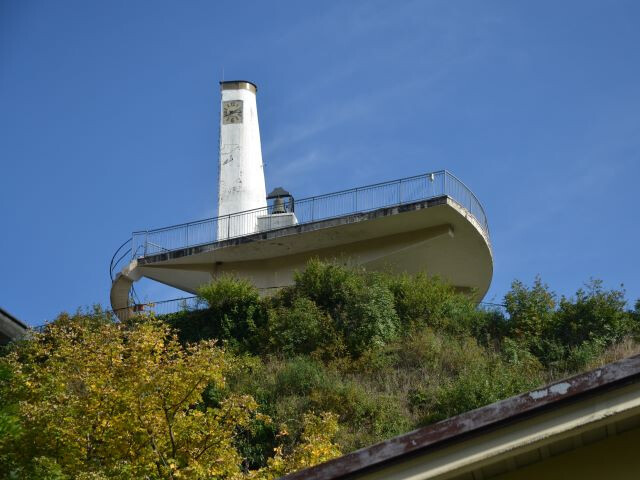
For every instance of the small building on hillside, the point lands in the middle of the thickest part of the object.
(585, 427)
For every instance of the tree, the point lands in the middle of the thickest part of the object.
(531, 310)
(360, 306)
(236, 313)
(594, 315)
(315, 447)
(106, 400)
(9, 419)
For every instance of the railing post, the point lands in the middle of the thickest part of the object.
(400, 192)
(228, 226)
(146, 242)
(313, 207)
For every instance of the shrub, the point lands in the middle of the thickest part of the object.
(360, 307)
(229, 293)
(481, 383)
(573, 335)
(328, 285)
(489, 326)
(531, 310)
(579, 356)
(193, 326)
(594, 315)
(302, 328)
(421, 300)
(367, 415)
(369, 319)
(299, 376)
(236, 313)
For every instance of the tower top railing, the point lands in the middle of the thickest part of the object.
(312, 209)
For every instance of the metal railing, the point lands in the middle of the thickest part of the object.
(308, 210)
(163, 307)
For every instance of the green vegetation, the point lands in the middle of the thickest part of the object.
(94, 399)
(388, 353)
(340, 360)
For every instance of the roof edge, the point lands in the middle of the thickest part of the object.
(6, 314)
(238, 85)
(455, 428)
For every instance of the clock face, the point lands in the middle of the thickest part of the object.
(232, 112)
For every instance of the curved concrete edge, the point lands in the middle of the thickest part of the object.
(480, 294)
(120, 288)
(473, 220)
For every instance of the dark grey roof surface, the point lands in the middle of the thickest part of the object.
(10, 327)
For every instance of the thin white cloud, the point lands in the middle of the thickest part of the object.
(328, 116)
(597, 167)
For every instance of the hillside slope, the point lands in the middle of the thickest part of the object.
(342, 359)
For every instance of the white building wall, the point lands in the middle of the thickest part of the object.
(241, 185)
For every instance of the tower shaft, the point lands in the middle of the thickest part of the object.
(241, 184)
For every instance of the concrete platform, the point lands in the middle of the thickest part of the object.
(437, 236)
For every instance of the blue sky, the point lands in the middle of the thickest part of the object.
(108, 124)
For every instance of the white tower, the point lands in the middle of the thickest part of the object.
(241, 184)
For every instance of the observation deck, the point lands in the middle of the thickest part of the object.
(430, 223)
